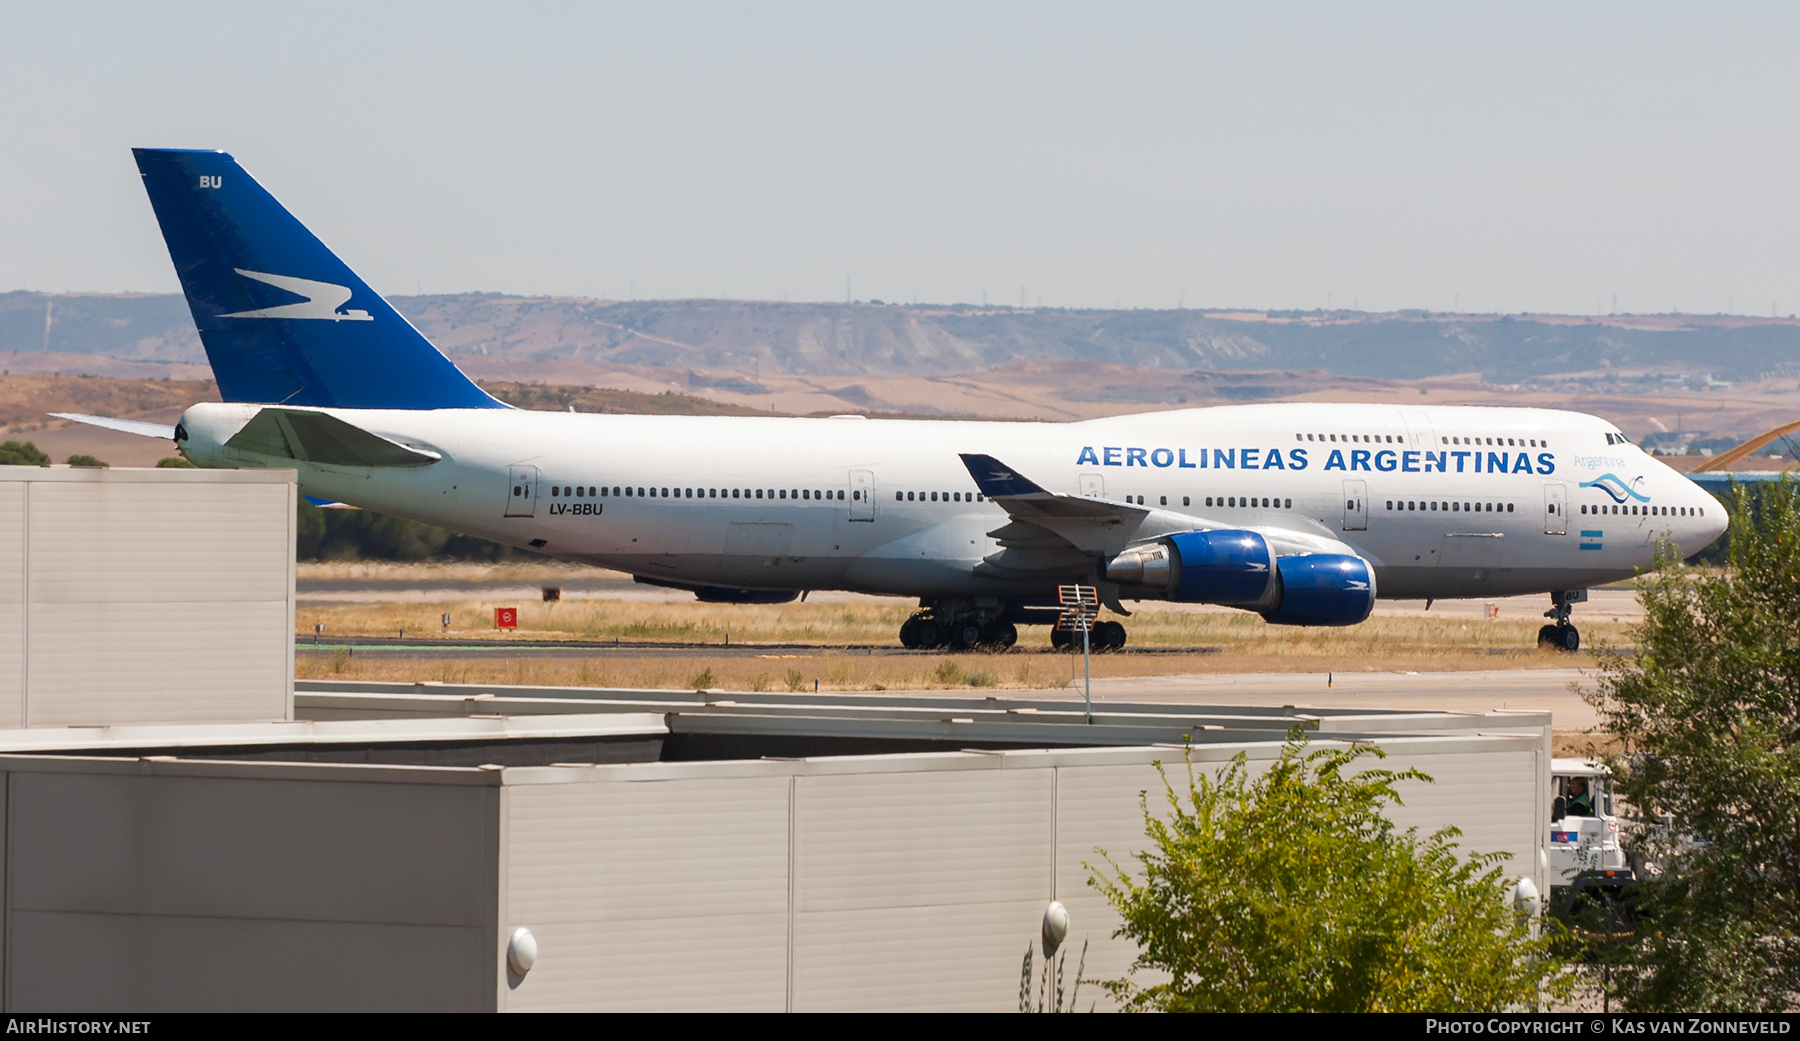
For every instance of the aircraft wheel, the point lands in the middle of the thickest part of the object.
(927, 633)
(1108, 636)
(1568, 638)
(1000, 635)
(909, 634)
(1061, 639)
(1548, 636)
(965, 636)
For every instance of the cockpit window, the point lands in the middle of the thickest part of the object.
(1614, 438)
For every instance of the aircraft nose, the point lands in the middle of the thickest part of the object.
(1713, 521)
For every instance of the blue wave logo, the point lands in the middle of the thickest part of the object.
(1615, 487)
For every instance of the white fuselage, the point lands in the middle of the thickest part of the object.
(1443, 502)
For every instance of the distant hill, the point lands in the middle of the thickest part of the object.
(155, 327)
(739, 341)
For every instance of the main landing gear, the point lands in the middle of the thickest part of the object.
(960, 625)
(1561, 634)
(960, 631)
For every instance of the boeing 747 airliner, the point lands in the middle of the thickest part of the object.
(1302, 513)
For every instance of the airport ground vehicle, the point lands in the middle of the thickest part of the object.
(1302, 513)
(1585, 851)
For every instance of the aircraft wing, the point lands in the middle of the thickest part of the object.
(1043, 520)
(1052, 532)
(316, 437)
(164, 431)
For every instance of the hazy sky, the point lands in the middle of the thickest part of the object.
(1500, 156)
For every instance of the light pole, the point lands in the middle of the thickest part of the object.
(1081, 604)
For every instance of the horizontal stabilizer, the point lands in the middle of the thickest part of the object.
(165, 431)
(315, 437)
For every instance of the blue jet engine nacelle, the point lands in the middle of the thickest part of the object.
(1239, 569)
(1323, 589)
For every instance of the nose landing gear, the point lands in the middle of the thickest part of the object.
(1561, 633)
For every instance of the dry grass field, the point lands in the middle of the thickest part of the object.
(841, 637)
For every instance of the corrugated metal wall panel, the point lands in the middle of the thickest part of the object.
(904, 881)
(141, 663)
(955, 956)
(1492, 798)
(915, 887)
(1097, 809)
(920, 837)
(664, 895)
(148, 893)
(12, 603)
(156, 600)
(145, 542)
(714, 963)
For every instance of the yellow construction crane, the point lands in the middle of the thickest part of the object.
(1732, 455)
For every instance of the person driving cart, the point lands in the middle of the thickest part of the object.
(1580, 803)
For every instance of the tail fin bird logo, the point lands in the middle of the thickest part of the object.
(1616, 488)
(322, 299)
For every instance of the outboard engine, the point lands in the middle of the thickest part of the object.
(1239, 569)
(1324, 589)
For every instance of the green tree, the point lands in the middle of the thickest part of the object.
(15, 453)
(88, 461)
(1291, 891)
(1707, 711)
(174, 462)
(337, 534)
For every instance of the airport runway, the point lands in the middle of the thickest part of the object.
(1548, 690)
(1537, 690)
(596, 584)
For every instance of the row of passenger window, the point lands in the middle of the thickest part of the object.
(1246, 501)
(947, 497)
(1646, 511)
(626, 492)
(1521, 442)
(1367, 439)
(1401, 439)
(1451, 507)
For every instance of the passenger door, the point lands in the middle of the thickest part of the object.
(1093, 486)
(1356, 505)
(862, 495)
(521, 499)
(1418, 430)
(1556, 508)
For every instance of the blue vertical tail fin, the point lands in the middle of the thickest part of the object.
(283, 319)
